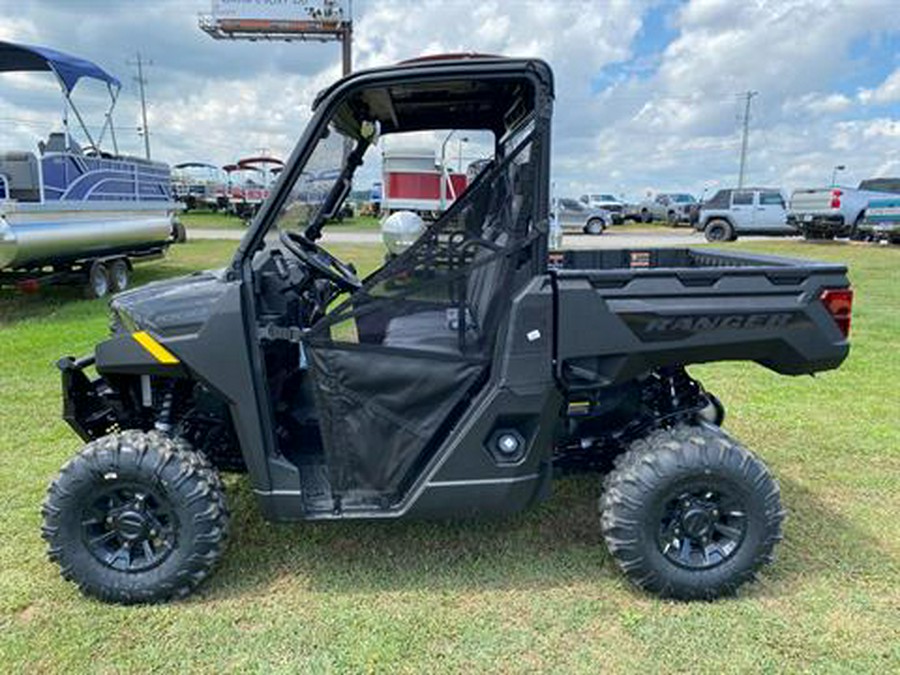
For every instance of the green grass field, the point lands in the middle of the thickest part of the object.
(533, 593)
(207, 220)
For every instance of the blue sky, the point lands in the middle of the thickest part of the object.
(646, 91)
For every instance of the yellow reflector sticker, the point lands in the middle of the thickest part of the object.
(159, 352)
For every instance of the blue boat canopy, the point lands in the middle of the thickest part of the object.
(68, 68)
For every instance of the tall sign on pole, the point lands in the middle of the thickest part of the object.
(287, 20)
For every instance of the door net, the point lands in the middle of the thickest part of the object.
(396, 363)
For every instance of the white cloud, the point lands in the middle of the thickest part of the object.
(818, 104)
(887, 92)
(669, 119)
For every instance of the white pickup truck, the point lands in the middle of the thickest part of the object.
(826, 213)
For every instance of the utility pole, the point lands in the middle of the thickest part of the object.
(139, 62)
(748, 96)
(347, 45)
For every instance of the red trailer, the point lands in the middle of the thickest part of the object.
(412, 182)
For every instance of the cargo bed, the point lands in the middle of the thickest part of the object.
(620, 313)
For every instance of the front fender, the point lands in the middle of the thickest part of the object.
(139, 353)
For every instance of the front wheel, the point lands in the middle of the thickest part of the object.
(135, 517)
(689, 513)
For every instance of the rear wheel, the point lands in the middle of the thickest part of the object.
(97, 281)
(135, 517)
(594, 226)
(689, 513)
(855, 234)
(719, 230)
(118, 275)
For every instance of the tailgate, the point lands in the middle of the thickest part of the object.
(810, 201)
(677, 307)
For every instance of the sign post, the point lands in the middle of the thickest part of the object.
(287, 20)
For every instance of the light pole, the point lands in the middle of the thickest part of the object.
(443, 184)
(839, 167)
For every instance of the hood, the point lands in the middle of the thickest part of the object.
(171, 307)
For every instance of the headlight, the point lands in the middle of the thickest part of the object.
(400, 230)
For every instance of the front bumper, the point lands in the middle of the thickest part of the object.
(86, 405)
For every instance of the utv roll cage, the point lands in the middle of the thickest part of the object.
(417, 98)
(433, 314)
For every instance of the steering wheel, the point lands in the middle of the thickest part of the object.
(316, 257)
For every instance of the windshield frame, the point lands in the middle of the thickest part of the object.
(328, 102)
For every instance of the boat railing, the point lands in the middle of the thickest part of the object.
(76, 177)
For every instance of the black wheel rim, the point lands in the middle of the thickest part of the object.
(702, 527)
(128, 528)
(717, 233)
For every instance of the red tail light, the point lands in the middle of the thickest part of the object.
(839, 303)
(836, 199)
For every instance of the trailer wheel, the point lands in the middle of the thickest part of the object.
(179, 232)
(135, 517)
(118, 275)
(689, 513)
(97, 281)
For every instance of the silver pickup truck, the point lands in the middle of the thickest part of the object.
(826, 213)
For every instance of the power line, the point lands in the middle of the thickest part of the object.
(748, 96)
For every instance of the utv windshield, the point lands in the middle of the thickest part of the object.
(318, 188)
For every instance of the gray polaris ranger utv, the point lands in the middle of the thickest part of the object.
(453, 381)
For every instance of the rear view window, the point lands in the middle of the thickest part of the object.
(771, 198)
(742, 198)
(719, 200)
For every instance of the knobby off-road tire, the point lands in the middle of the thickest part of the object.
(136, 517)
(689, 513)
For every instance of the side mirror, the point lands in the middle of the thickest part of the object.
(371, 131)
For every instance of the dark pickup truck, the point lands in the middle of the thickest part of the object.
(456, 379)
